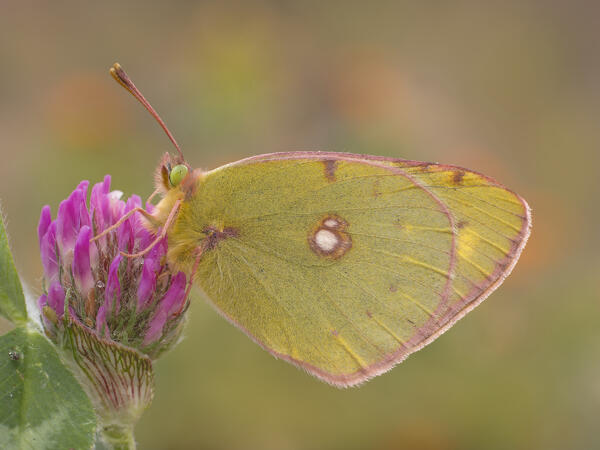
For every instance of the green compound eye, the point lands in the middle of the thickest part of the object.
(177, 174)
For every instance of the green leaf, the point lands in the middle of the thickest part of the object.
(12, 301)
(41, 404)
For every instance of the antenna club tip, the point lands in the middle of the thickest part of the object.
(116, 70)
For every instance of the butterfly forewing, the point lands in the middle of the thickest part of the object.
(343, 264)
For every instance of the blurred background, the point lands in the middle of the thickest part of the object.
(510, 89)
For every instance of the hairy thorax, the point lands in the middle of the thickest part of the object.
(184, 235)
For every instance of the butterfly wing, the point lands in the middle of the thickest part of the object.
(345, 264)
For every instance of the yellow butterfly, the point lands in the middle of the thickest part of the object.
(341, 264)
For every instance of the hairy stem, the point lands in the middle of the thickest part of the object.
(115, 437)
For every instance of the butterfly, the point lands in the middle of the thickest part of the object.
(342, 264)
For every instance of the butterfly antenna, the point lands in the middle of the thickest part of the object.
(123, 79)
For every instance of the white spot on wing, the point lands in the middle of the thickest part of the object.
(326, 240)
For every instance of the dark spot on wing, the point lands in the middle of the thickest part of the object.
(214, 235)
(503, 264)
(458, 176)
(330, 167)
(369, 314)
(461, 224)
(336, 227)
(376, 187)
(393, 288)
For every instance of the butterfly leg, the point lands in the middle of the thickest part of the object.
(154, 194)
(142, 211)
(161, 235)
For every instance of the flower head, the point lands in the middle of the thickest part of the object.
(137, 302)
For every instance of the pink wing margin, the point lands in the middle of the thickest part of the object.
(442, 320)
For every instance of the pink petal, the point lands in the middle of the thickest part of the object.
(99, 207)
(48, 252)
(81, 268)
(113, 287)
(56, 299)
(147, 284)
(44, 223)
(167, 306)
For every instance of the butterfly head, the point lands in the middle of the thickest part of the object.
(171, 173)
(175, 181)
